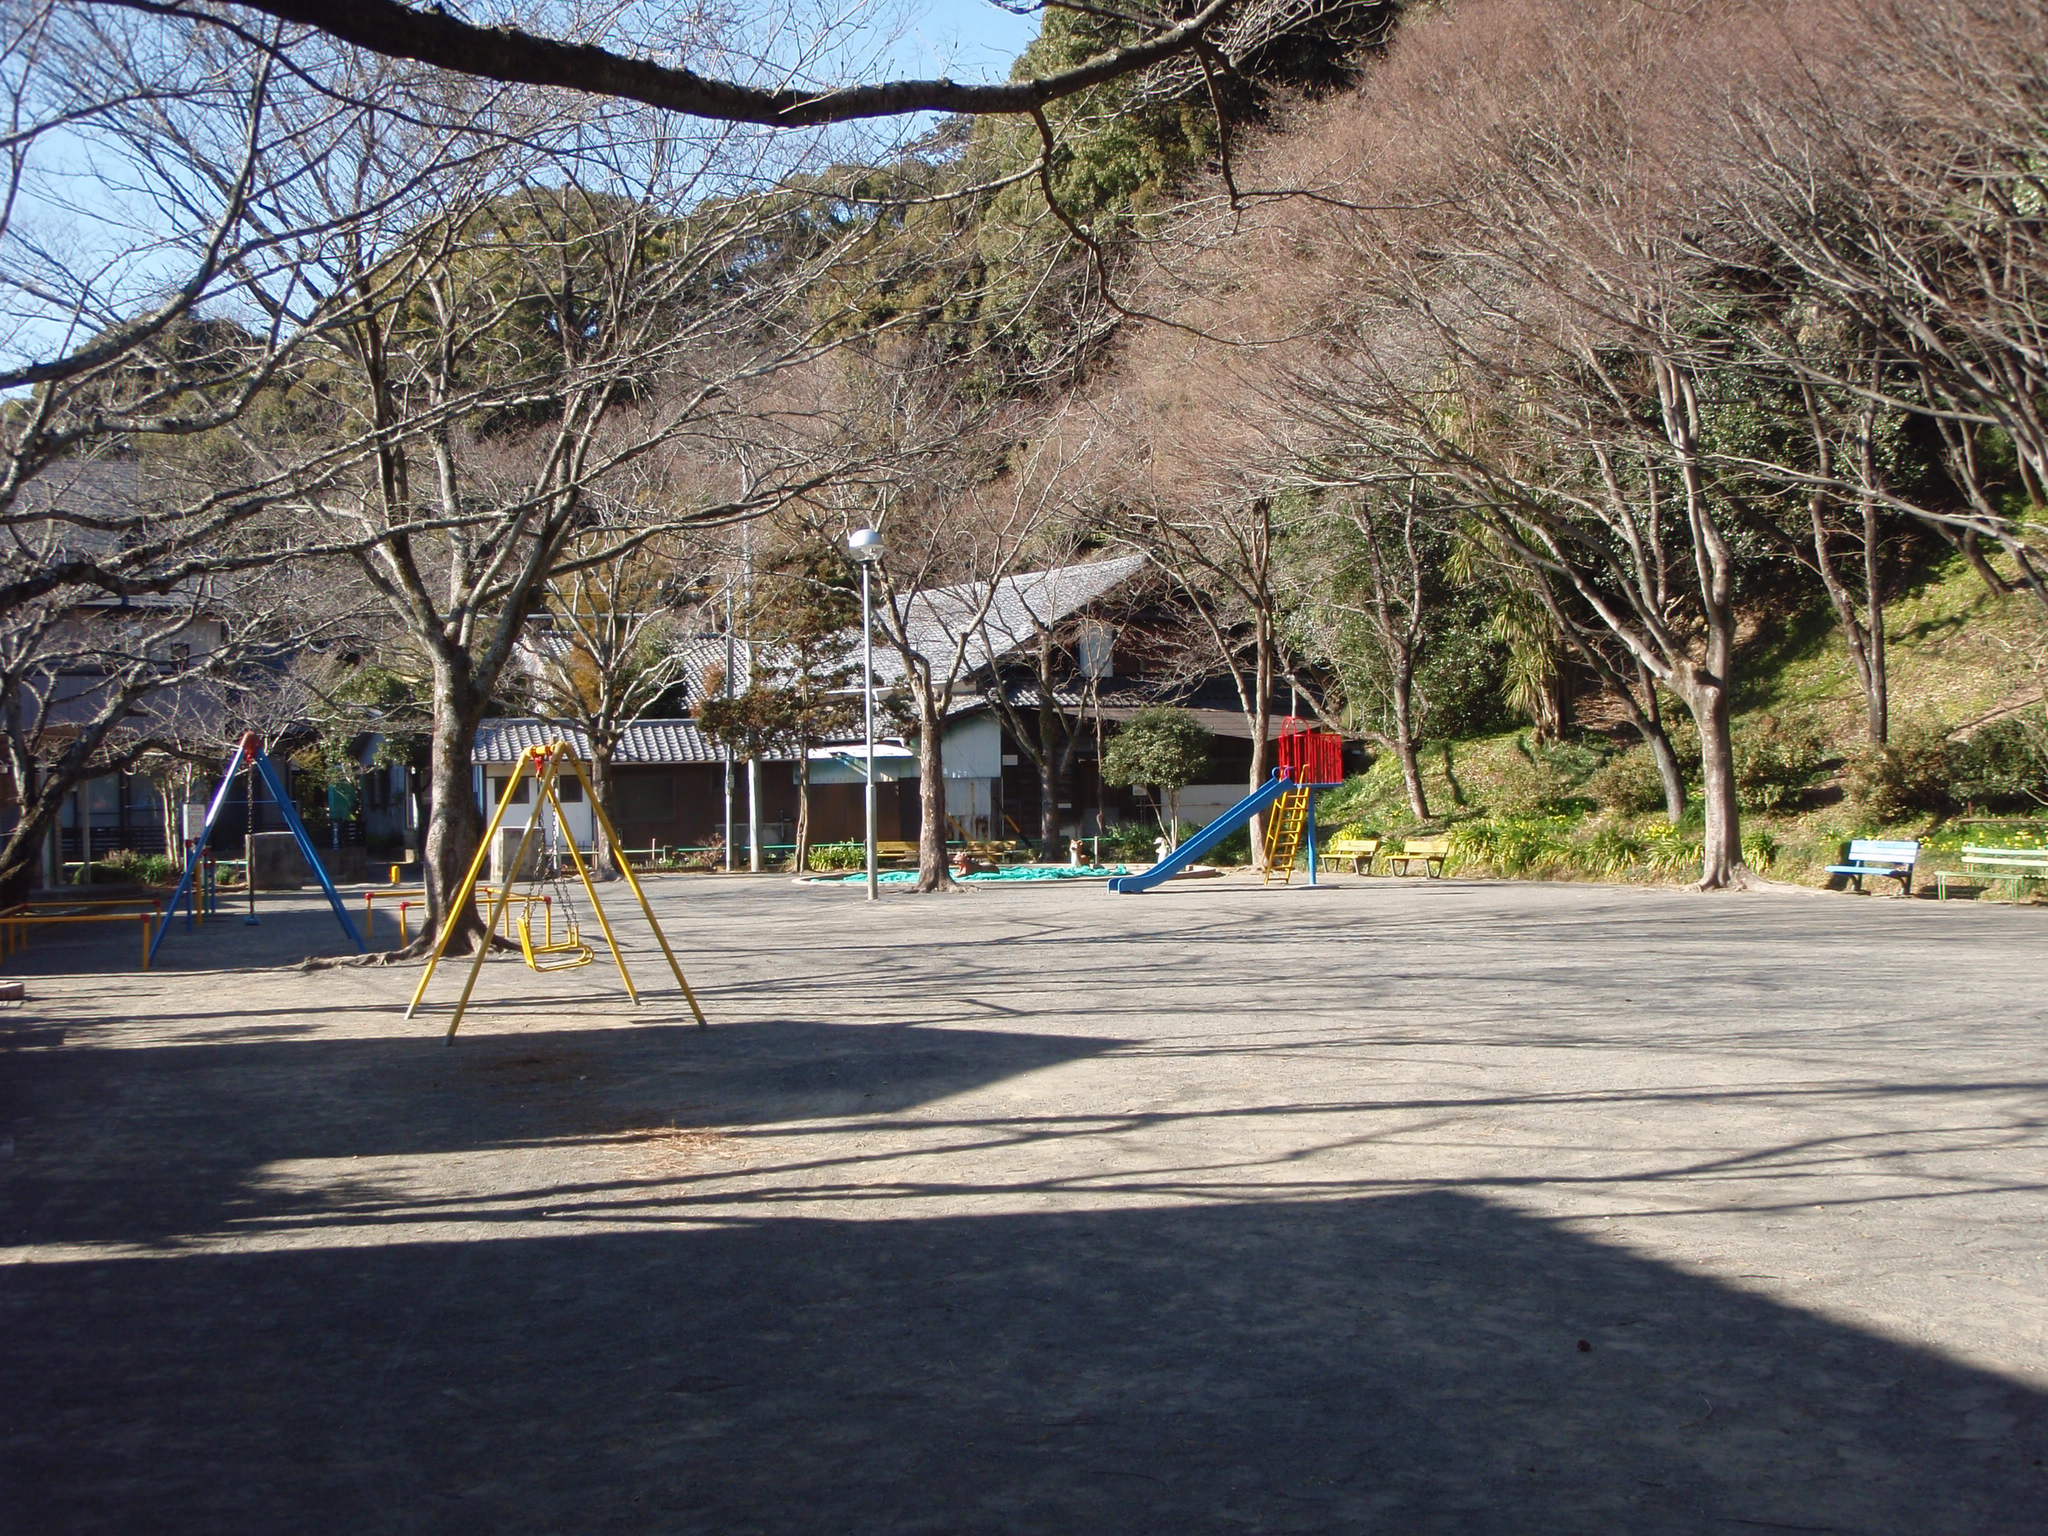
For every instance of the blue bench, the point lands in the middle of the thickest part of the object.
(1893, 858)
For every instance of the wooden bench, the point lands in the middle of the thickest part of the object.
(1429, 852)
(1361, 851)
(892, 852)
(1892, 858)
(1994, 866)
(999, 851)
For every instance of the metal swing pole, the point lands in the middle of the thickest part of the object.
(467, 890)
(249, 837)
(589, 886)
(646, 907)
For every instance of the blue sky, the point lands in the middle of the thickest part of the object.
(970, 39)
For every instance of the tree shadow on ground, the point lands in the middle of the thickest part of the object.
(156, 1144)
(1422, 1363)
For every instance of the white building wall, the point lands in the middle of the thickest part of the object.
(582, 825)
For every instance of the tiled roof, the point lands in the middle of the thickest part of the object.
(1021, 606)
(646, 741)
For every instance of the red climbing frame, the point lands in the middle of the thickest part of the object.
(1310, 756)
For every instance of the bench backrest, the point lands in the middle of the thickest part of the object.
(1879, 850)
(1426, 847)
(2009, 855)
(1354, 845)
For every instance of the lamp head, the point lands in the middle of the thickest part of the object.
(864, 545)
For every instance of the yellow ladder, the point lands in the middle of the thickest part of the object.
(1285, 829)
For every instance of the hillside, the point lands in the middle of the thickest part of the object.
(1961, 659)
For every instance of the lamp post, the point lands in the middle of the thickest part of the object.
(864, 545)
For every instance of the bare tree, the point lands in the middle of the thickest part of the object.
(607, 648)
(139, 555)
(1372, 582)
(954, 528)
(509, 53)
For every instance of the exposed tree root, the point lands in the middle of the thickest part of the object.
(418, 949)
(1743, 878)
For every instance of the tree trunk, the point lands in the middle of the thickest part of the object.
(802, 856)
(454, 828)
(603, 857)
(22, 851)
(1877, 688)
(1648, 719)
(1405, 745)
(932, 874)
(1861, 622)
(1669, 774)
(1048, 807)
(1262, 727)
(1048, 768)
(1721, 864)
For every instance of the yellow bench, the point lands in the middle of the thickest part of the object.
(1361, 851)
(1429, 852)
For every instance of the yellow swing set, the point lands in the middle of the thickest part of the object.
(545, 766)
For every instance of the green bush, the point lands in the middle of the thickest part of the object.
(1234, 849)
(1612, 851)
(1776, 763)
(1670, 850)
(126, 867)
(2005, 764)
(1130, 842)
(1628, 782)
(1911, 773)
(830, 856)
(1512, 845)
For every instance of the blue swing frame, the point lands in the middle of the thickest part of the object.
(250, 750)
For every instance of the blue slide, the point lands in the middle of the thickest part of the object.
(1191, 850)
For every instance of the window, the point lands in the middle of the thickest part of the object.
(1095, 651)
(569, 789)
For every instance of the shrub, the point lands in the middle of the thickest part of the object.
(1759, 849)
(131, 868)
(1612, 851)
(1909, 774)
(1776, 763)
(1670, 850)
(1628, 782)
(2005, 764)
(1130, 841)
(1511, 845)
(1234, 849)
(1164, 747)
(829, 856)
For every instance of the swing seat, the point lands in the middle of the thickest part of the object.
(564, 956)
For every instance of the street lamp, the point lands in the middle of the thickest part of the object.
(864, 545)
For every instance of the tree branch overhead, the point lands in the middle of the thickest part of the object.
(440, 38)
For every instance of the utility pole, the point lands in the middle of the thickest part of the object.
(725, 748)
(753, 762)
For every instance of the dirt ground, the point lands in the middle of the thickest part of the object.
(1387, 1206)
